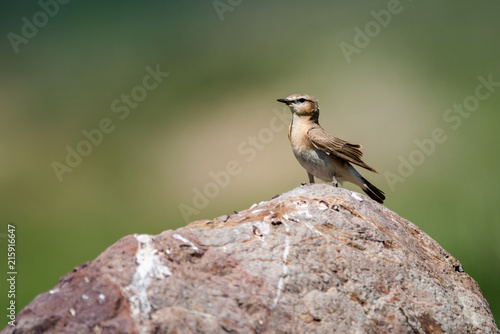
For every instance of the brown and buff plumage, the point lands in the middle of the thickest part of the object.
(321, 154)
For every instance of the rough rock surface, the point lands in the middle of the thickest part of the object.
(317, 259)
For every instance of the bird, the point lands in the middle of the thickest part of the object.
(321, 154)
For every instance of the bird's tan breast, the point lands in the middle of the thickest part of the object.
(297, 134)
(313, 160)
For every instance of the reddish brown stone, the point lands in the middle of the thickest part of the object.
(313, 260)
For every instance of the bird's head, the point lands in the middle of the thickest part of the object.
(302, 104)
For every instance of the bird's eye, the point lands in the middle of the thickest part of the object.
(302, 100)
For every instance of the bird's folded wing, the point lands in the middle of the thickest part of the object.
(324, 141)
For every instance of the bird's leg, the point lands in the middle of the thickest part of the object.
(311, 177)
(335, 182)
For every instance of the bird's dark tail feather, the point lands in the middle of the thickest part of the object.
(372, 191)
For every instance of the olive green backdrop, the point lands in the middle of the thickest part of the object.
(97, 141)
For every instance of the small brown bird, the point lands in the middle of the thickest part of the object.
(321, 154)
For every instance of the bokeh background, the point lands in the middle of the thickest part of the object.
(227, 67)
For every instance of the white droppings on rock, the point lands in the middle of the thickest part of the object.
(357, 196)
(284, 270)
(148, 267)
(186, 241)
(256, 205)
(143, 238)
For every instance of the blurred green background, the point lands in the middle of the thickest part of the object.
(227, 66)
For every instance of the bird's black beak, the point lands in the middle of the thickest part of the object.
(285, 101)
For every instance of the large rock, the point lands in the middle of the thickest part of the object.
(317, 259)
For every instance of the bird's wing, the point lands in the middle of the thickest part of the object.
(329, 144)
